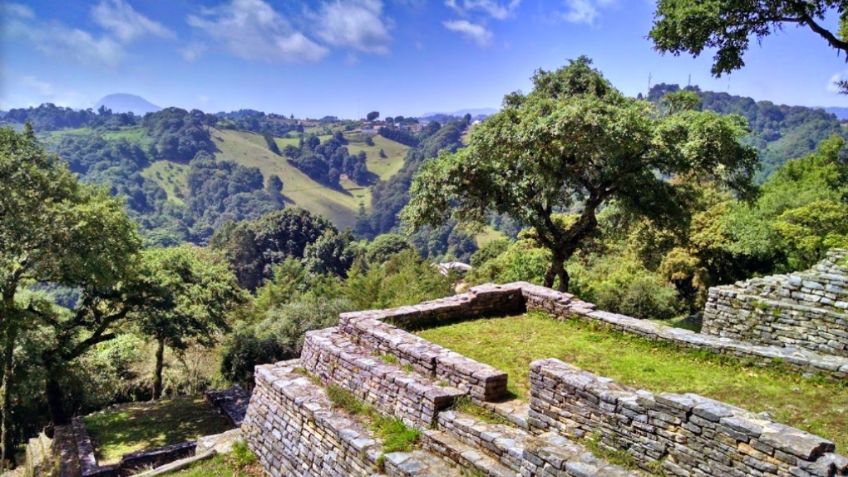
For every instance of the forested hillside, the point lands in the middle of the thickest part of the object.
(779, 132)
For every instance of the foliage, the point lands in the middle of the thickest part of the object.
(642, 363)
(388, 198)
(178, 134)
(331, 253)
(400, 135)
(576, 143)
(691, 26)
(326, 161)
(193, 291)
(379, 250)
(222, 191)
(779, 132)
(489, 251)
(253, 248)
(522, 260)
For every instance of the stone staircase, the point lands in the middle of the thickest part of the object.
(402, 375)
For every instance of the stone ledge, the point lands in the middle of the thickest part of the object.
(335, 359)
(694, 435)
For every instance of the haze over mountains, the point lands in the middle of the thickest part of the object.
(127, 103)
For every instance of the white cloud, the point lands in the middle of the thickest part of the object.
(192, 51)
(494, 8)
(355, 24)
(66, 43)
(584, 11)
(17, 10)
(833, 83)
(472, 31)
(253, 30)
(42, 87)
(125, 23)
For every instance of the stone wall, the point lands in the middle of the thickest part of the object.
(806, 309)
(333, 358)
(293, 431)
(685, 434)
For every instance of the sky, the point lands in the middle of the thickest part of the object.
(348, 57)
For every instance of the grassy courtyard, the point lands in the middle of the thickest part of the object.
(142, 425)
(511, 343)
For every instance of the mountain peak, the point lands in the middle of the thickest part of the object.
(127, 103)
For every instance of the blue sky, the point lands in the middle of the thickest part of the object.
(347, 57)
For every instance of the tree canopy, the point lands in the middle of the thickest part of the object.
(573, 144)
(691, 26)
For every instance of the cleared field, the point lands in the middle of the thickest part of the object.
(249, 149)
(142, 425)
(383, 167)
(136, 134)
(170, 176)
(511, 343)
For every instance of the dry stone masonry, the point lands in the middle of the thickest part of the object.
(684, 434)
(293, 427)
(806, 309)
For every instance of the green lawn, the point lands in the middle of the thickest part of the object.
(136, 426)
(383, 167)
(511, 343)
(170, 176)
(219, 466)
(137, 135)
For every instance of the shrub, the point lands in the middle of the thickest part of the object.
(521, 261)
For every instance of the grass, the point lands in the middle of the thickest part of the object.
(396, 436)
(241, 462)
(465, 405)
(383, 167)
(137, 135)
(170, 176)
(511, 343)
(249, 149)
(136, 426)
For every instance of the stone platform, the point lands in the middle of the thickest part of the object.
(293, 427)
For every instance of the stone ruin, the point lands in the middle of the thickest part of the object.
(293, 427)
(807, 310)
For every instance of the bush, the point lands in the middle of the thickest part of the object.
(521, 261)
(620, 284)
(403, 280)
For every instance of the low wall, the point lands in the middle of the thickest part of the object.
(685, 434)
(481, 381)
(335, 359)
(293, 431)
(806, 309)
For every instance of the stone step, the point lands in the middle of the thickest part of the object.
(481, 381)
(503, 442)
(514, 410)
(288, 406)
(418, 463)
(552, 454)
(468, 457)
(416, 399)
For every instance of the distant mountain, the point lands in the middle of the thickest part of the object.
(840, 113)
(127, 103)
(476, 113)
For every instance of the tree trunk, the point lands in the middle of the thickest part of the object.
(6, 445)
(55, 399)
(557, 270)
(157, 378)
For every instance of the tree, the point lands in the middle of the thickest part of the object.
(193, 291)
(372, 115)
(727, 26)
(52, 230)
(575, 143)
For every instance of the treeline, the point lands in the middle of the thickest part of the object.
(779, 132)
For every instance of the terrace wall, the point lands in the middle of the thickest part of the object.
(685, 434)
(806, 309)
(293, 431)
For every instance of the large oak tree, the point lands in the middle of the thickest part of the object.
(571, 145)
